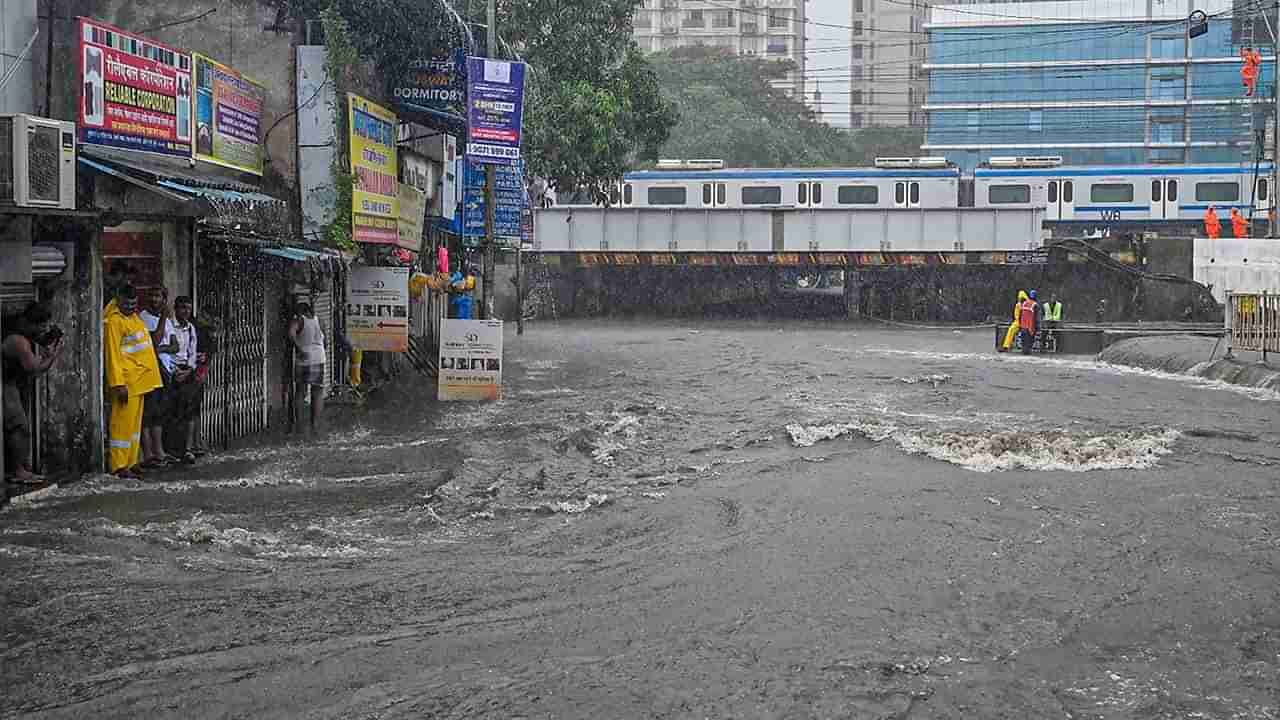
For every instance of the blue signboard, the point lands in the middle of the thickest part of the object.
(437, 86)
(509, 196)
(495, 110)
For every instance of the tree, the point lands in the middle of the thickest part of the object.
(730, 110)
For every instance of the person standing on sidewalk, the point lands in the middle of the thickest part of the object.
(155, 409)
(309, 366)
(29, 351)
(132, 372)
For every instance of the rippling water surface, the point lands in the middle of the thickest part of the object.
(685, 520)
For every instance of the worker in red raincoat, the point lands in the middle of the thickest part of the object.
(1239, 225)
(1252, 68)
(1212, 225)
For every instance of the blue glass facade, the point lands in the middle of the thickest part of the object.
(1043, 97)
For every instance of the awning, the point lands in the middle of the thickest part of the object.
(298, 254)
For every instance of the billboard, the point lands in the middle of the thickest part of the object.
(378, 308)
(495, 110)
(228, 117)
(509, 202)
(375, 193)
(135, 94)
(470, 360)
(438, 84)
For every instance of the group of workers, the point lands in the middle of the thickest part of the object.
(1213, 226)
(1030, 319)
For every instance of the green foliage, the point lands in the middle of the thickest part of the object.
(340, 61)
(730, 110)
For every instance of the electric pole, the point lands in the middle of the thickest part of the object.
(1272, 230)
(490, 181)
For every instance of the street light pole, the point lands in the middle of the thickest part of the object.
(490, 181)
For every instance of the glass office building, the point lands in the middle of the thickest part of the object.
(1093, 81)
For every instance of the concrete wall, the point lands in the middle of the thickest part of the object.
(1240, 265)
(17, 24)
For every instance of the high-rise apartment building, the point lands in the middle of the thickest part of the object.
(887, 85)
(771, 29)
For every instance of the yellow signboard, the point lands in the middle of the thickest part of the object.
(375, 198)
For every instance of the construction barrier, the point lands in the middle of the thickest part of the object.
(1253, 321)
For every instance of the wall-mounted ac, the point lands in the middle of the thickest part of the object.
(37, 162)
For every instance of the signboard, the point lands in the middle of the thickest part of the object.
(228, 116)
(375, 195)
(378, 308)
(413, 210)
(135, 94)
(470, 360)
(438, 84)
(509, 196)
(495, 110)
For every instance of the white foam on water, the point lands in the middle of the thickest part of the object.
(207, 530)
(935, 379)
(1000, 450)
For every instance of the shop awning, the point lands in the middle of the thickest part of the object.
(298, 254)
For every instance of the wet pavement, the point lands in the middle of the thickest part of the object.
(723, 520)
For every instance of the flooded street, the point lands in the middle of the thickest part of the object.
(680, 520)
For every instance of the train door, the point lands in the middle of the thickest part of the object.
(714, 195)
(1061, 197)
(1164, 198)
(1262, 194)
(906, 193)
(809, 194)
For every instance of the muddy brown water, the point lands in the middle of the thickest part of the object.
(723, 520)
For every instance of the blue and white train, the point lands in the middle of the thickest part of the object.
(1130, 197)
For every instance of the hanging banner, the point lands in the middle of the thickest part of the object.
(375, 195)
(435, 85)
(413, 211)
(470, 360)
(135, 94)
(378, 308)
(228, 116)
(495, 110)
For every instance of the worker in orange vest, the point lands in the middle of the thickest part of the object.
(1239, 225)
(1212, 225)
(1028, 317)
(1252, 68)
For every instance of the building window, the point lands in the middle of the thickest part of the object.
(856, 72)
(858, 6)
(1168, 47)
(694, 19)
(857, 51)
(1111, 193)
(1035, 120)
(1217, 192)
(973, 121)
(722, 19)
(858, 195)
(666, 196)
(1169, 87)
(770, 195)
(855, 119)
(856, 97)
(857, 28)
(777, 20)
(777, 47)
(1008, 194)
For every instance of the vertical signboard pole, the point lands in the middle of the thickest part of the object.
(490, 180)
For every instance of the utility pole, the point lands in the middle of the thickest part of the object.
(1272, 230)
(490, 182)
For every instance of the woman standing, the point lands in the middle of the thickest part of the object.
(309, 365)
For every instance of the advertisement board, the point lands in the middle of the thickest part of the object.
(437, 84)
(413, 211)
(470, 360)
(378, 308)
(375, 193)
(228, 117)
(135, 94)
(495, 110)
(509, 201)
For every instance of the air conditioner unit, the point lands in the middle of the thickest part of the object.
(1042, 161)
(37, 162)
(893, 162)
(707, 164)
(931, 162)
(1002, 162)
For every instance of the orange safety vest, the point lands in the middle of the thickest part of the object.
(1027, 315)
(1212, 225)
(1239, 226)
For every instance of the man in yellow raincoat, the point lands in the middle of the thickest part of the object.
(132, 372)
(1012, 335)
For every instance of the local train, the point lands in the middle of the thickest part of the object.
(1126, 196)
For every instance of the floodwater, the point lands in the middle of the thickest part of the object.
(723, 520)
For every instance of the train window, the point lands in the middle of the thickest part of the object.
(1068, 191)
(1053, 191)
(666, 196)
(1217, 192)
(721, 194)
(706, 194)
(1155, 190)
(771, 195)
(915, 193)
(627, 194)
(899, 193)
(817, 193)
(1006, 194)
(1112, 193)
(1262, 189)
(803, 191)
(614, 196)
(1172, 194)
(858, 195)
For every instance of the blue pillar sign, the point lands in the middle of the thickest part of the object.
(495, 110)
(509, 201)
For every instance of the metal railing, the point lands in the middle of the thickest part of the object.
(1253, 322)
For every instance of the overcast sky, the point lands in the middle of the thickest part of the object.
(835, 12)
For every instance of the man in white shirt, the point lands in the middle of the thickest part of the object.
(155, 408)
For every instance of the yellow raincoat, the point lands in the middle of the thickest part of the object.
(130, 362)
(1013, 329)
